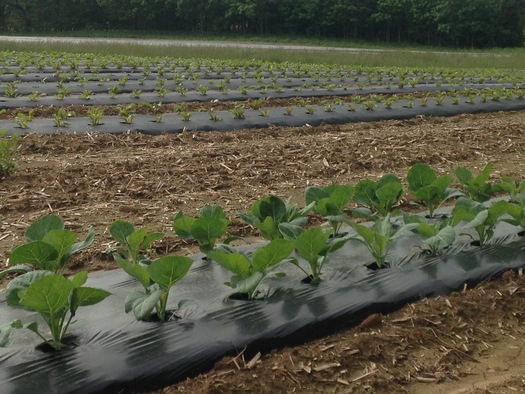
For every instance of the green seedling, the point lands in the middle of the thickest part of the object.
(330, 202)
(276, 218)
(114, 91)
(186, 116)
(477, 187)
(49, 246)
(214, 116)
(203, 89)
(249, 270)
(22, 119)
(238, 111)
(432, 191)
(133, 244)
(206, 229)
(257, 103)
(314, 245)
(437, 236)
(61, 118)
(136, 93)
(63, 93)
(157, 279)
(86, 94)
(8, 151)
(95, 115)
(478, 217)
(378, 198)
(55, 298)
(127, 113)
(379, 238)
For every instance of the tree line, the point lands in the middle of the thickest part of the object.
(455, 23)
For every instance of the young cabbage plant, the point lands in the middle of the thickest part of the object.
(133, 244)
(378, 198)
(49, 246)
(206, 229)
(432, 191)
(54, 297)
(276, 218)
(478, 217)
(157, 279)
(314, 245)
(508, 185)
(249, 270)
(477, 187)
(437, 236)
(330, 202)
(379, 238)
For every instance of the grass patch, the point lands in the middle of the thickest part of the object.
(378, 57)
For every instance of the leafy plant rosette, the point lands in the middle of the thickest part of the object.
(377, 198)
(314, 245)
(276, 218)
(206, 229)
(477, 187)
(379, 237)
(157, 279)
(49, 246)
(250, 269)
(437, 235)
(516, 211)
(478, 217)
(432, 191)
(54, 297)
(133, 244)
(330, 202)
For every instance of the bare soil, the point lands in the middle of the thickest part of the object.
(471, 342)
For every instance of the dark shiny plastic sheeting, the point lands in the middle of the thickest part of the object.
(114, 353)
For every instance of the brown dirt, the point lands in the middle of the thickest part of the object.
(464, 343)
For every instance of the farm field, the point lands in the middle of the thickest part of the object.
(466, 342)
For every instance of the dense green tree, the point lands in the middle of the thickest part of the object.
(462, 23)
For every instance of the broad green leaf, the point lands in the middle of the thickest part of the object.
(42, 226)
(339, 198)
(212, 211)
(236, 263)
(290, 231)
(272, 254)
(313, 194)
(310, 243)
(48, 296)
(135, 270)
(150, 238)
(479, 220)
(443, 239)
(365, 192)
(84, 296)
(183, 225)
(142, 304)
(206, 230)
(273, 207)
(5, 332)
(267, 228)
(246, 285)
(120, 230)
(22, 282)
(61, 240)
(37, 253)
(77, 247)
(79, 279)
(388, 195)
(19, 269)
(168, 270)
(463, 175)
(135, 239)
(419, 176)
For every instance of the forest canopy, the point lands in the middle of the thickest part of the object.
(454, 23)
